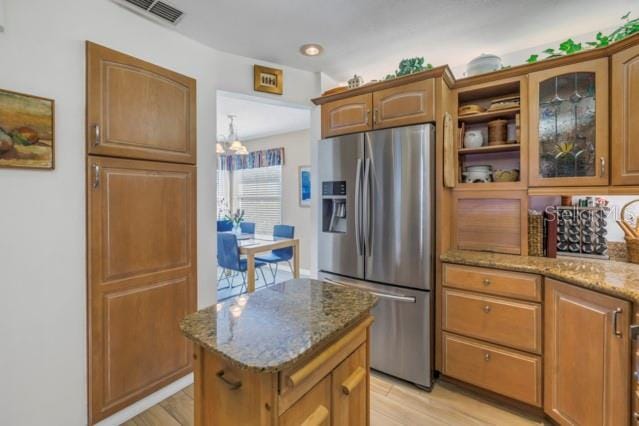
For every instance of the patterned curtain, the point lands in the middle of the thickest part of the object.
(254, 160)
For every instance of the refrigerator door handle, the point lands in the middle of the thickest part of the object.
(407, 299)
(358, 207)
(367, 208)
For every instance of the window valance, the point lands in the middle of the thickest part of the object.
(254, 160)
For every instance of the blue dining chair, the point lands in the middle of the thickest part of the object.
(279, 255)
(228, 257)
(224, 225)
(247, 227)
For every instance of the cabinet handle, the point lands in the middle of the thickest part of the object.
(602, 162)
(487, 308)
(96, 134)
(375, 111)
(368, 112)
(232, 384)
(487, 356)
(486, 282)
(353, 381)
(96, 176)
(317, 417)
(615, 322)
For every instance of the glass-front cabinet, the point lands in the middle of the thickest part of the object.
(569, 125)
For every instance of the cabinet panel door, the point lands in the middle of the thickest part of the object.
(404, 105)
(138, 110)
(350, 115)
(350, 390)
(313, 409)
(568, 125)
(625, 117)
(587, 356)
(142, 278)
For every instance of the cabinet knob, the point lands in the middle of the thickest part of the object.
(487, 282)
(487, 308)
(487, 356)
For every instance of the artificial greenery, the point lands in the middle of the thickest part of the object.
(409, 66)
(568, 47)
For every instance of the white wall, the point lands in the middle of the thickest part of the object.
(42, 213)
(297, 152)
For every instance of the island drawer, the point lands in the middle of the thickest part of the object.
(507, 322)
(500, 283)
(295, 381)
(514, 374)
(314, 408)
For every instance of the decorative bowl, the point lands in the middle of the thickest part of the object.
(511, 175)
(473, 139)
(482, 64)
(477, 174)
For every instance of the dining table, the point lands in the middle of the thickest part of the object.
(253, 244)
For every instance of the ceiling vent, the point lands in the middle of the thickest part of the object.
(157, 10)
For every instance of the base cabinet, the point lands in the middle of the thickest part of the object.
(587, 357)
(330, 388)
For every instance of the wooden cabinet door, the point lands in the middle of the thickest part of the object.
(314, 408)
(625, 117)
(412, 103)
(568, 125)
(141, 278)
(138, 110)
(587, 357)
(350, 390)
(350, 115)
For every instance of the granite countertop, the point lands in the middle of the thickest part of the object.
(271, 329)
(619, 279)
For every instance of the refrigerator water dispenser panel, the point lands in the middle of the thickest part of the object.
(334, 212)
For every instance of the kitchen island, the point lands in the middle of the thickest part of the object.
(294, 353)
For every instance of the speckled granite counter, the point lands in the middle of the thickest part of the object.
(271, 329)
(615, 278)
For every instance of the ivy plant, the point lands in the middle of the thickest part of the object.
(568, 47)
(409, 66)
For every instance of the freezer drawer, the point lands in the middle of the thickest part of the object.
(400, 335)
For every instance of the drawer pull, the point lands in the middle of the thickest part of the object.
(486, 282)
(232, 384)
(353, 381)
(487, 308)
(317, 417)
(487, 356)
(615, 322)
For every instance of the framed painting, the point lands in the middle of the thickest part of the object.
(26, 131)
(268, 80)
(305, 186)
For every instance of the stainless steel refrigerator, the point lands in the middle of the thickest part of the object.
(377, 234)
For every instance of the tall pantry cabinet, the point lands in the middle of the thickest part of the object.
(141, 227)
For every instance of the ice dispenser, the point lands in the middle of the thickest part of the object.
(334, 208)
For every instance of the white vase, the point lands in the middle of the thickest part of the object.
(473, 139)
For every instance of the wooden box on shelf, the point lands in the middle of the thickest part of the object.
(485, 103)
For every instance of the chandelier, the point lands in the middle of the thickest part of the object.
(230, 145)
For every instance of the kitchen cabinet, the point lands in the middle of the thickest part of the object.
(586, 354)
(625, 117)
(141, 278)
(138, 110)
(312, 409)
(350, 384)
(404, 105)
(568, 107)
(350, 115)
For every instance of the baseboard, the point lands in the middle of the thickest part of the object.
(148, 402)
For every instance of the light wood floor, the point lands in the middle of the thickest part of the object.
(393, 403)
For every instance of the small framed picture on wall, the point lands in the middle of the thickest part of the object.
(305, 186)
(268, 80)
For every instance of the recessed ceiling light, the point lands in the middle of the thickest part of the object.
(311, 49)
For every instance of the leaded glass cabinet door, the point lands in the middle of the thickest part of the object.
(569, 125)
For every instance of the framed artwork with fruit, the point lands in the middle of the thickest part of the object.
(26, 131)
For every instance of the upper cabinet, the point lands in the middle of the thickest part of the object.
(569, 125)
(138, 110)
(625, 117)
(380, 106)
(350, 115)
(403, 105)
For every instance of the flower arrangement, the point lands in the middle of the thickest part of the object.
(236, 217)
